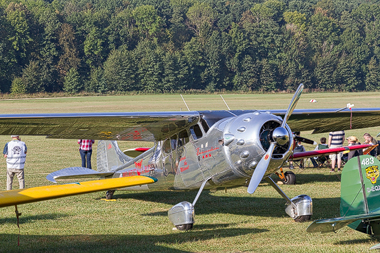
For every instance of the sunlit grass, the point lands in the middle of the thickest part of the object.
(231, 221)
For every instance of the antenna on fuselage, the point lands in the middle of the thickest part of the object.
(225, 102)
(185, 102)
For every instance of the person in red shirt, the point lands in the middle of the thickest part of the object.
(85, 150)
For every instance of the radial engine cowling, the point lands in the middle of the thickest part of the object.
(248, 137)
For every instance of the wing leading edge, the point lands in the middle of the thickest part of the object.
(153, 126)
(23, 196)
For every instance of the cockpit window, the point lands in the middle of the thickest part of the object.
(183, 138)
(196, 132)
(205, 125)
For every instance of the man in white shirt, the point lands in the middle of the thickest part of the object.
(15, 153)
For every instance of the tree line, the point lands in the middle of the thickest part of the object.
(171, 45)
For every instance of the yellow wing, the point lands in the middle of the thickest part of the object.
(22, 196)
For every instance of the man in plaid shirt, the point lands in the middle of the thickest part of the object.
(85, 150)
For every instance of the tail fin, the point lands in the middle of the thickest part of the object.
(360, 188)
(109, 156)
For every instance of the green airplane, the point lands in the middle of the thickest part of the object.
(360, 199)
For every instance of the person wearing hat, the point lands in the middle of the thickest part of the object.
(352, 140)
(15, 153)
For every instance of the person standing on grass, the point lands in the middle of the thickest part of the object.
(15, 154)
(336, 140)
(85, 150)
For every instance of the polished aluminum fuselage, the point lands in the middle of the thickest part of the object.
(226, 154)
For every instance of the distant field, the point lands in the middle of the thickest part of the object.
(231, 221)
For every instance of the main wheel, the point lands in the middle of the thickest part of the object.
(303, 218)
(109, 194)
(184, 227)
(290, 178)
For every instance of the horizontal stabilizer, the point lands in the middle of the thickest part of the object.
(333, 224)
(76, 172)
(135, 152)
(23, 196)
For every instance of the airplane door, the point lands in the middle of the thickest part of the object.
(167, 157)
(171, 155)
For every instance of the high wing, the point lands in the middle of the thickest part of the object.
(328, 151)
(23, 196)
(332, 225)
(100, 126)
(151, 126)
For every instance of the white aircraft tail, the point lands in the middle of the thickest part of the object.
(109, 156)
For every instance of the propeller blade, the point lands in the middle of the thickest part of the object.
(293, 104)
(260, 170)
(305, 140)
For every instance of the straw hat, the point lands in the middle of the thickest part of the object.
(352, 138)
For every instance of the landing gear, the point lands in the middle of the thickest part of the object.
(182, 214)
(109, 194)
(300, 208)
(290, 178)
(287, 177)
(303, 218)
(184, 227)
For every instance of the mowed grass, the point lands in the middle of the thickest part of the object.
(231, 221)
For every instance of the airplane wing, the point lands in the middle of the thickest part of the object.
(328, 151)
(327, 120)
(154, 126)
(23, 196)
(100, 126)
(332, 225)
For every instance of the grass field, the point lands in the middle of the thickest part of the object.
(231, 221)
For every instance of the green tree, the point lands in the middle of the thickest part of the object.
(201, 18)
(69, 58)
(33, 78)
(18, 86)
(72, 82)
(372, 79)
(93, 48)
(19, 35)
(148, 21)
(120, 71)
(96, 83)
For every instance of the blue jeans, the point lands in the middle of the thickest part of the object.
(83, 155)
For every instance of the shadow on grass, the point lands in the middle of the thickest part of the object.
(370, 240)
(249, 206)
(23, 219)
(303, 177)
(120, 243)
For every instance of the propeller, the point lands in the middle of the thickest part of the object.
(305, 140)
(280, 136)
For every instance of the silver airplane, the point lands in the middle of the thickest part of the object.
(194, 150)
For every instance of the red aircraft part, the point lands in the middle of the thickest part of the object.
(327, 151)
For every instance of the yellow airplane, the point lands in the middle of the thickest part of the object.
(28, 195)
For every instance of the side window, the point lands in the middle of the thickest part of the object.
(183, 138)
(166, 146)
(196, 132)
(173, 142)
(204, 125)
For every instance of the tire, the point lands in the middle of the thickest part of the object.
(109, 194)
(303, 218)
(184, 227)
(290, 178)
